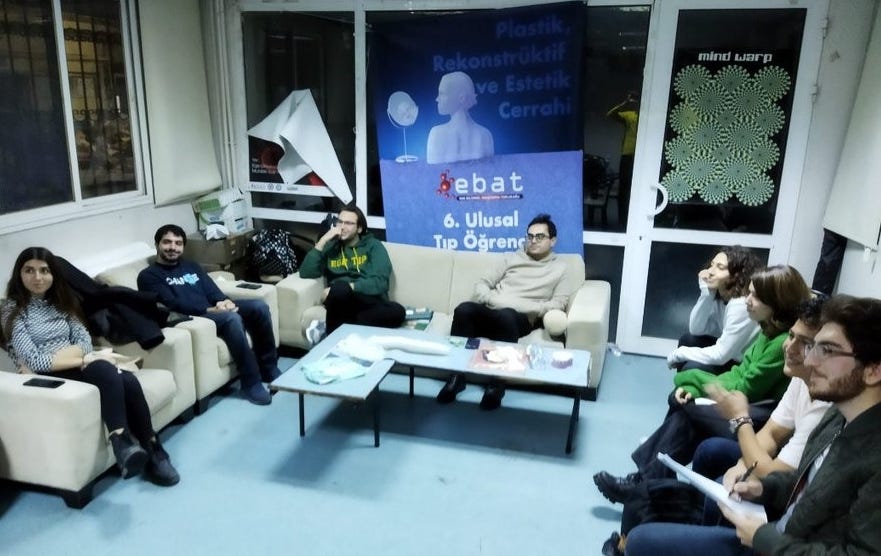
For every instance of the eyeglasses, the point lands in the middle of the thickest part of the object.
(824, 351)
(346, 223)
(536, 237)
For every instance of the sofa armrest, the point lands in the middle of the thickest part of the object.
(266, 292)
(174, 354)
(51, 436)
(588, 324)
(203, 335)
(295, 295)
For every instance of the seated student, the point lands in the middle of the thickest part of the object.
(829, 505)
(719, 328)
(525, 290)
(183, 286)
(357, 268)
(775, 294)
(42, 322)
(777, 446)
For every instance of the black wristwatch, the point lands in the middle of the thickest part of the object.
(735, 424)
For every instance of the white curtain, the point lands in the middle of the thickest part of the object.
(182, 155)
(219, 95)
(854, 208)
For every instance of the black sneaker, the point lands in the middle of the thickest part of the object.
(492, 397)
(454, 385)
(617, 489)
(130, 457)
(159, 469)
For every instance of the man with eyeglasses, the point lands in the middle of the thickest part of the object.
(357, 268)
(777, 446)
(830, 504)
(526, 289)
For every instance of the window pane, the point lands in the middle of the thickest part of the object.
(672, 289)
(99, 96)
(34, 167)
(614, 60)
(284, 52)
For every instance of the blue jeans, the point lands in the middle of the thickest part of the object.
(253, 316)
(714, 456)
(675, 539)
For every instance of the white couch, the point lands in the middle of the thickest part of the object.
(54, 437)
(214, 365)
(441, 279)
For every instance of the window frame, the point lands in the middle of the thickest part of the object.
(80, 207)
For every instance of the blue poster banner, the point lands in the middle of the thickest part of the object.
(484, 205)
(479, 125)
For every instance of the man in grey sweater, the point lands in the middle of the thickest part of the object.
(511, 300)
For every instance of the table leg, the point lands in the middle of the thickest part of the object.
(302, 417)
(573, 419)
(375, 408)
(412, 374)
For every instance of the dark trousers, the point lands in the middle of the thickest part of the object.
(714, 456)
(693, 340)
(254, 318)
(683, 429)
(712, 459)
(346, 306)
(123, 405)
(475, 320)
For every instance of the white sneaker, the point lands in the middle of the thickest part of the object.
(315, 332)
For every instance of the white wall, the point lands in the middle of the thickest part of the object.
(841, 63)
(860, 273)
(81, 236)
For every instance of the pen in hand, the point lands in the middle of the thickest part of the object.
(745, 476)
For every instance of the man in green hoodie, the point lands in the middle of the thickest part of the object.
(357, 268)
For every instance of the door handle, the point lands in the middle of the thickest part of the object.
(665, 197)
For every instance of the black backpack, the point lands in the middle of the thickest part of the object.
(271, 253)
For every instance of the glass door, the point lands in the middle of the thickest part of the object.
(720, 151)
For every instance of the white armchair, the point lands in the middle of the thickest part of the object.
(54, 437)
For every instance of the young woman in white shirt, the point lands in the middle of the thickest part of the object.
(719, 328)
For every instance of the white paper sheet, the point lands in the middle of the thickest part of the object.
(295, 125)
(713, 489)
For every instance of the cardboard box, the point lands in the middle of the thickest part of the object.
(217, 251)
(227, 207)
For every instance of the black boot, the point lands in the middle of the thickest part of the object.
(159, 469)
(130, 457)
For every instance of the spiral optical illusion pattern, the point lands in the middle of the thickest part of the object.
(724, 126)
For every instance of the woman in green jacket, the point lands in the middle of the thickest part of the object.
(774, 296)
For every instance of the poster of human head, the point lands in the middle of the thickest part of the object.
(479, 125)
